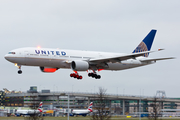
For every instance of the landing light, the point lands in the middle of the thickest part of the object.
(16, 64)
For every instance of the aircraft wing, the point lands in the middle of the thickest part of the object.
(120, 58)
(149, 60)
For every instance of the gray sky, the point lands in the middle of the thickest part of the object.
(103, 25)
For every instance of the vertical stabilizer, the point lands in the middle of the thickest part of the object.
(146, 43)
(40, 106)
(90, 107)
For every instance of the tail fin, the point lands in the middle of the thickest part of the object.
(40, 106)
(146, 43)
(90, 107)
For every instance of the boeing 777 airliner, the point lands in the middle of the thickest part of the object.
(50, 60)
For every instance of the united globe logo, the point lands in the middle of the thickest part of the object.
(141, 48)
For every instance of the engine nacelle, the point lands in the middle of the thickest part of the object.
(48, 69)
(80, 65)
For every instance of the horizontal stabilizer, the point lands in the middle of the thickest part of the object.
(121, 58)
(149, 60)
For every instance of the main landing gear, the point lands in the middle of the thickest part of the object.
(75, 75)
(94, 75)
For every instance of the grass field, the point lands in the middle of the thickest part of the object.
(80, 118)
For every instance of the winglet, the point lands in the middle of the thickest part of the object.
(146, 43)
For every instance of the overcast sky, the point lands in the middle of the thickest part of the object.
(103, 25)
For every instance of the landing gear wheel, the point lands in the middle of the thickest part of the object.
(94, 75)
(75, 75)
(80, 77)
(90, 74)
(98, 77)
(71, 75)
(19, 71)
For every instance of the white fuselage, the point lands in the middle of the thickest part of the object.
(27, 112)
(61, 58)
(80, 112)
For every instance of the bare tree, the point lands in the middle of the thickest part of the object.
(34, 104)
(100, 112)
(155, 113)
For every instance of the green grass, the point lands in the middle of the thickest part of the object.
(80, 118)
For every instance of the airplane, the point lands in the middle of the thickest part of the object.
(50, 60)
(10, 91)
(82, 112)
(30, 112)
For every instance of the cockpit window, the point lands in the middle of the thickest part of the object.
(11, 53)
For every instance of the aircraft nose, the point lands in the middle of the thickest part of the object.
(7, 57)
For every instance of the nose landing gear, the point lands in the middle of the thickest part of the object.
(19, 67)
(19, 71)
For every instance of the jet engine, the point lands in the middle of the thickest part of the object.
(80, 65)
(48, 69)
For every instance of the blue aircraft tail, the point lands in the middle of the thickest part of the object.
(146, 43)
